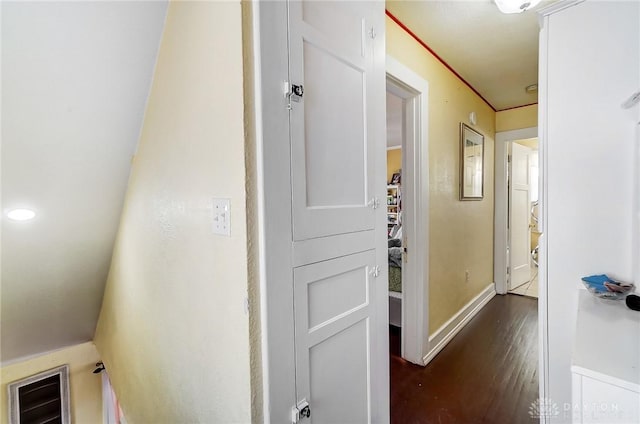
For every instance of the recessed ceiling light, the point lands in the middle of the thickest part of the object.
(21, 214)
(531, 88)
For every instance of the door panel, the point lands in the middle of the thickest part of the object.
(323, 159)
(340, 25)
(334, 139)
(332, 309)
(338, 151)
(341, 358)
(519, 216)
(325, 305)
(331, 152)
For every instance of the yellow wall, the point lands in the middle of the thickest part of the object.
(461, 233)
(173, 331)
(515, 119)
(394, 162)
(85, 387)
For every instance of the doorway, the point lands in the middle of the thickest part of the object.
(502, 260)
(407, 210)
(522, 223)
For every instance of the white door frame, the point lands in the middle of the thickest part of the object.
(501, 234)
(415, 200)
(272, 176)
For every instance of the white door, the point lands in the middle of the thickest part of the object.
(336, 54)
(519, 216)
(332, 159)
(333, 307)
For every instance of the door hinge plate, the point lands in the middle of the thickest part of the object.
(300, 412)
(292, 92)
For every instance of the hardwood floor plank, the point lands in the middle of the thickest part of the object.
(488, 373)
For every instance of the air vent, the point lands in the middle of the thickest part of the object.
(41, 399)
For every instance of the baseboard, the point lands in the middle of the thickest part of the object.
(444, 334)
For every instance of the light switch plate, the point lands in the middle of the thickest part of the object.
(222, 217)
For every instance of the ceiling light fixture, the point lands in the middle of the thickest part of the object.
(21, 214)
(515, 6)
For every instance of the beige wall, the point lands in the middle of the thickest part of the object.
(461, 233)
(85, 387)
(518, 118)
(173, 331)
(394, 162)
(531, 143)
(253, 251)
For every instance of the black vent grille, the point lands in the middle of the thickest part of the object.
(41, 399)
(40, 402)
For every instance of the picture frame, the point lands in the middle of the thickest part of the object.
(471, 163)
(395, 179)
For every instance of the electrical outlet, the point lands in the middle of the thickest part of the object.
(466, 276)
(222, 217)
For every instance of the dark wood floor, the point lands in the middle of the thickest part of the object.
(487, 374)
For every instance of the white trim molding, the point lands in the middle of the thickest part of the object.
(554, 8)
(500, 256)
(414, 89)
(448, 331)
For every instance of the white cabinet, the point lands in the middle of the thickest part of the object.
(606, 362)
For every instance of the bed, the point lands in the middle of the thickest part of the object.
(395, 279)
(395, 282)
(395, 265)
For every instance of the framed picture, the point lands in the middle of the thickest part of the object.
(395, 179)
(471, 164)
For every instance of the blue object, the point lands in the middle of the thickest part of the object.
(597, 282)
(604, 287)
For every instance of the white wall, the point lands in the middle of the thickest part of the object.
(174, 330)
(588, 147)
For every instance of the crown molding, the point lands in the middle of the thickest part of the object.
(555, 8)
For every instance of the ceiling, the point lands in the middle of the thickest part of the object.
(75, 79)
(496, 54)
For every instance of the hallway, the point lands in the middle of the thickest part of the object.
(487, 374)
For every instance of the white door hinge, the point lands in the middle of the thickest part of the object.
(301, 411)
(292, 92)
(375, 271)
(374, 203)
